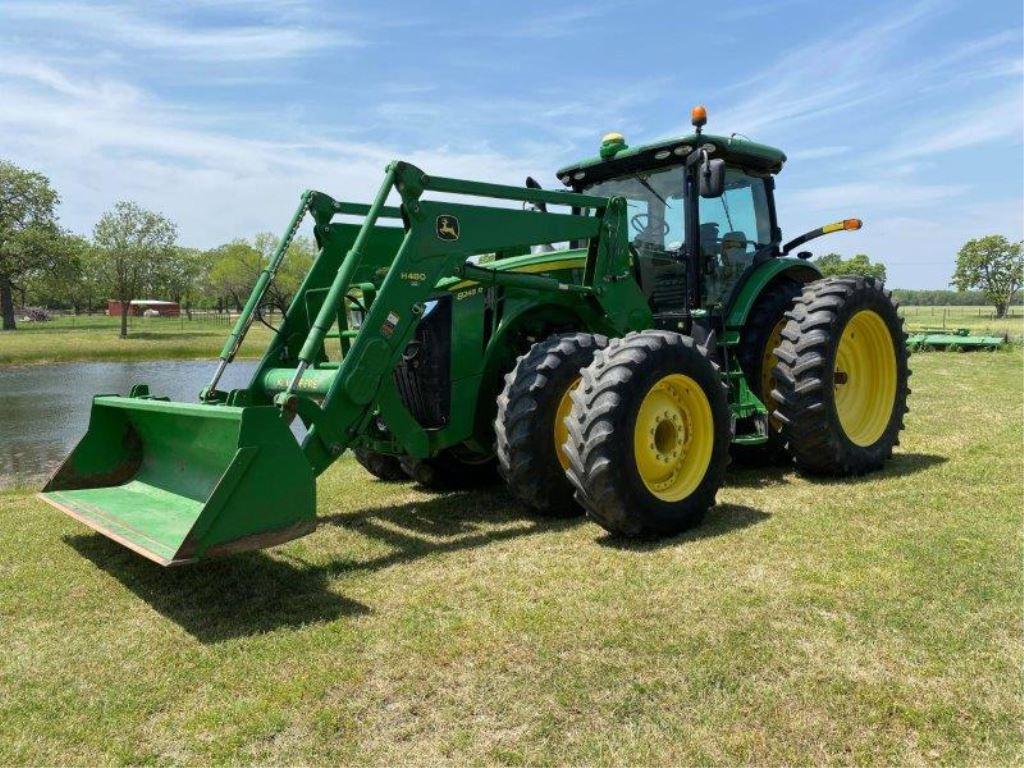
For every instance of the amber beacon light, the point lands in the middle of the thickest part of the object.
(699, 116)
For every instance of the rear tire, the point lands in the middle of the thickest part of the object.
(649, 435)
(451, 470)
(762, 333)
(530, 426)
(381, 465)
(841, 380)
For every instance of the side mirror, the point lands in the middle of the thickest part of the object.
(712, 177)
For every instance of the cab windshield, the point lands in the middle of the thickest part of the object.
(654, 215)
(654, 208)
(734, 228)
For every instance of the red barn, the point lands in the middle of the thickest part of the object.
(139, 307)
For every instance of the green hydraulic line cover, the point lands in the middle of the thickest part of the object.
(510, 279)
(505, 192)
(313, 382)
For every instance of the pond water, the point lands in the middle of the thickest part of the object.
(44, 409)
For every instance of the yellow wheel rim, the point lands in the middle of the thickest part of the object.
(865, 378)
(673, 437)
(768, 362)
(560, 428)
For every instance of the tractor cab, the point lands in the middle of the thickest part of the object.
(700, 211)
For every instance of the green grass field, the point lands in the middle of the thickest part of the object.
(95, 337)
(873, 620)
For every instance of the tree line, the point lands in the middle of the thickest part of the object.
(988, 271)
(133, 253)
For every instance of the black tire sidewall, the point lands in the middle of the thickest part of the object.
(805, 376)
(662, 516)
(546, 489)
(867, 297)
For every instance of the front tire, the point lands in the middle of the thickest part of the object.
(530, 427)
(649, 435)
(841, 380)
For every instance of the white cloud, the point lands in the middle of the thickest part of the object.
(864, 66)
(130, 27)
(997, 118)
(821, 77)
(554, 22)
(215, 184)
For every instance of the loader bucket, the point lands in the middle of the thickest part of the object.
(178, 482)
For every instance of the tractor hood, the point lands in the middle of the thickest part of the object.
(748, 154)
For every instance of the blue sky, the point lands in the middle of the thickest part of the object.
(219, 114)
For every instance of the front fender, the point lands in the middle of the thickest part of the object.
(758, 279)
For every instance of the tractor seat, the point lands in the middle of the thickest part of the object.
(734, 247)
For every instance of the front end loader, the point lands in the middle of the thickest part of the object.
(603, 348)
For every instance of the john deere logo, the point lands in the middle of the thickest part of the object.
(447, 228)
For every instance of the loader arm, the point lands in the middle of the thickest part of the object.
(179, 482)
(437, 239)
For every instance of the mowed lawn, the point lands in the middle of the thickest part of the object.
(95, 338)
(873, 620)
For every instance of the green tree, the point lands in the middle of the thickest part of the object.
(236, 267)
(233, 271)
(28, 226)
(179, 274)
(991, 264)
(834, 265)
(131, 242)
(68, 280)
(294, 268)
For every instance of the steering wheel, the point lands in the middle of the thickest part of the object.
(640, 221)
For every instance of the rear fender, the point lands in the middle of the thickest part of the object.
(759, 279)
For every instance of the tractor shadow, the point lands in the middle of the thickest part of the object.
(252, 593)
(901, 464)
(442, 524)
(720, 520)
(247, 594)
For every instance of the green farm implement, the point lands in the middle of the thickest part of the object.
(952, 340)
(601, 348)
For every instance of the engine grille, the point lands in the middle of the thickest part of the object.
(423, 376)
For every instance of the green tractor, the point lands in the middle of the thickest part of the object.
(603, 348)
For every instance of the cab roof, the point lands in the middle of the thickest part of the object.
(735, 150)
